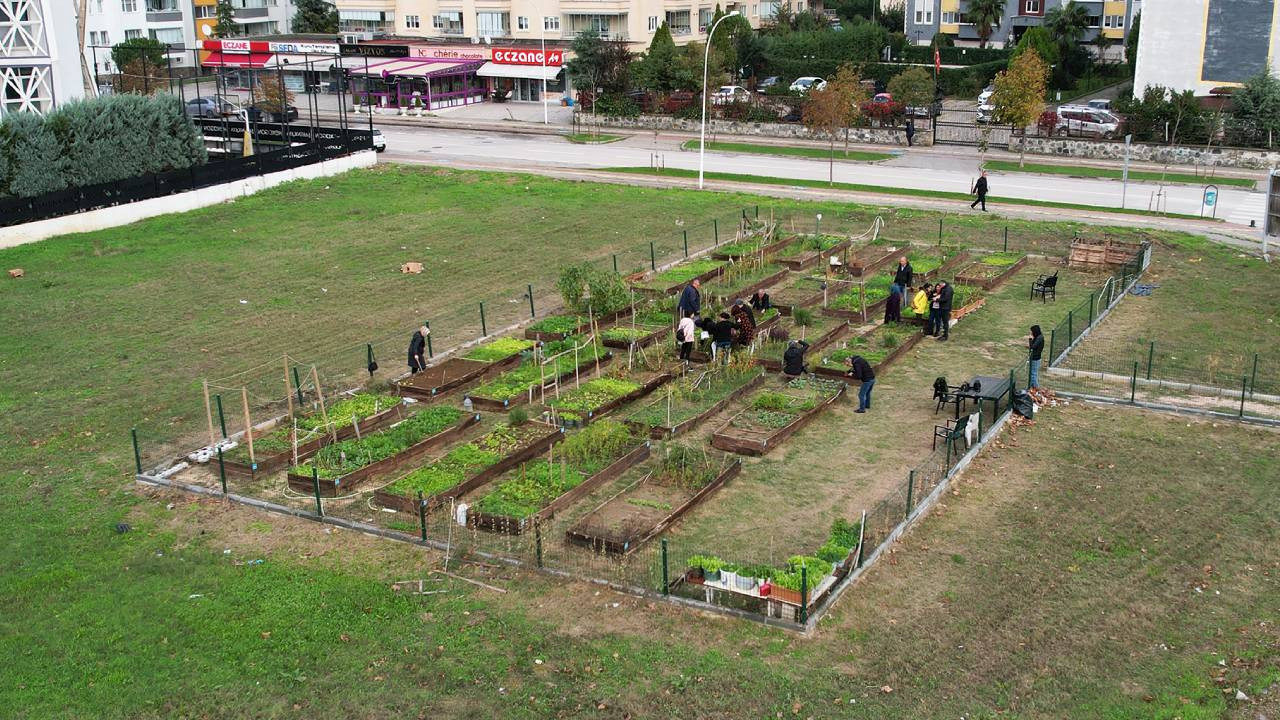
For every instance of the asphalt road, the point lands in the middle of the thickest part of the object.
(920, 170)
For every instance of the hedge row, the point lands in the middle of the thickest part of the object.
(966, 81)
(93, 141)
(955, 55)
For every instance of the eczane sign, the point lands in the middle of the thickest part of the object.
(512, 56)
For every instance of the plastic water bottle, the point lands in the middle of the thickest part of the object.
(466, 404)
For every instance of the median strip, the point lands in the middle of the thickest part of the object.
(812, 152)
(1081, 171)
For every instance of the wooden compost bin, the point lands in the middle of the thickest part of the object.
(509, 525)
(1101, 255)
(407, 504)
(588, 534)
(662, 432)
(809, 258)
(522, 398)
(749, 442)
(279, 461)
(640, 392)
(401, 461)
(989, 283)
(435, 380)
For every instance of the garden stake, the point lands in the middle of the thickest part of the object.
(324, 414)
(653, 262)
(248, 428)
(1253, 378)
(615, 263)
(1006, 238)
(222, 421)
(222, 471)
(715, 228)
(137, 455)
(757, 212)
(1244, 385)
(911, 486)
(297, 384)
(1133, 382)
(484, 331)
(804, 593)
(537, 537)
(862, 534)
(666, 586)
(532, 314)
(427, 323)
(315, 485)
(686, 244)
(939, 231)
(1151, 354)
(948, 465)
(208, 411)
(422, 516)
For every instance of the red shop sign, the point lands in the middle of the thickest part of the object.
(512, 56)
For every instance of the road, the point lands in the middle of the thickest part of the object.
(919, 170)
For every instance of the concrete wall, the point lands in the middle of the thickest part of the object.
(875, 136)
(181, 202)
(1172, 47)
(1144, 152)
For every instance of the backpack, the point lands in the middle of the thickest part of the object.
(940, 387)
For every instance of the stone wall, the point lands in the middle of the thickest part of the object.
(1150, 153)
(862, 135)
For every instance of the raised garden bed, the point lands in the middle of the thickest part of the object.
(351, 463)
(753, 246)
(513, 387)
(869, 258)
(739, 282)
(991, 270)
(933, 263)
(673, 279)
(558, 327)
(964, 300)
(773, 416)
(624, 336)
(534, 492)
(806, 251)
(821, 331)
(849, 304)
(468, 466)
(676, 480)
(879, 348)
(274, 449)
(693, 398)
(491, 357)
(804, 291)
(594, 398)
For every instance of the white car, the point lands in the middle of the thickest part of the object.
(730, 94)
(986, 113)
(1084, 121)
(807, 83)
(984, 97)
(379, 140)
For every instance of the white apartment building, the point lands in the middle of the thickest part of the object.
(1200, 45)
(39, 57)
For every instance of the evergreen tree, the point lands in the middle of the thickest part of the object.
(226, 17)
(36, 154)
(136, 50)
(315, 16)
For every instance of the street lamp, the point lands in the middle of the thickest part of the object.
(544, 69)
(706, 56)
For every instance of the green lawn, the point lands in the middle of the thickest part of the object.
(1096, 172)
(811, 152)
(1051, 585)
(592, 138)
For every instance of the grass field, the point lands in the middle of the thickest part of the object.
(809, 152)
(592, 138)
(1096, 172)
(1075, 573)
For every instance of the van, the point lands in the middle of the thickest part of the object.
(1084, 121)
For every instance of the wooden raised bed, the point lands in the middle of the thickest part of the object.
(750, 442)
(989, 283)
(955, 314)
(407, 504)
(747, 291)
(775, 365)
(672, 289)
(643, 530)
(584, 327)
(903, 349)
(435, 380)
(809, 258)
(947, 266)
(400, 461)
(482, 403)
(1102, 255)
(662, 432)
(644, 341)
(279, 461)
(868, 258)
(509, 525)
(768, 250)
(834, 287)
(643, 390)
(872, 309)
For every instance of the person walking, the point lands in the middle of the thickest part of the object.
(690, 300)
(1035, 345)
(893, 305)
(861, 370)
(686, 332)
(418, 349)
(945, 294)
(911, 130)
(980, 189)
(793, 358)
(902, 275)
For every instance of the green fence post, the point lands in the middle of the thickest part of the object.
(1091, 298)
(222, 471)
(948, 464)
(666, 586)
(1244, 387)
(939, 231)
(430, 352)
(715, 228)
(615, 262)
(1053, 340)
(1151, 355)
(315, 486)
(484, 329)
(653, 258)
(911, 487)
(137, 454)
(686, 244)
(1133, 382)
(537, 538)
(222, 421)
(1071, 335)
(1253, 377)
(757, 212)
(297, 387)
(422, 517)
(804, 593)
(532, 314)
(1006, 238)
(1011, 389)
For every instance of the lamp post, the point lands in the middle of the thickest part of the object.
(706, 56)
(544, 70)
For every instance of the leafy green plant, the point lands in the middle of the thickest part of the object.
(499, 349)
(694, 393)
(530, 372)
(845, 533)
(466, 460)
(708, 563)
(589, 289)
(334, 461)
(593, 394)
(641, 502)
(361, 405)
(1001, 259)
(517, 416)
(802, 317)
(558, 324)
(686, 468)
(876, 288)
(683, 273)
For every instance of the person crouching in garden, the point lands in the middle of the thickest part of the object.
(860, 370)
(793, 359)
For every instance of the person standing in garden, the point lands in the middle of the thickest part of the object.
(893, 305)
(418, 349)
(721, 336)
(690, 300)
(860, 370)
(686, 332)
(745, 322)
(980, 189)
(945, 294)
(920, 304)
(1035, 345)
(931, 327)
(902, 276)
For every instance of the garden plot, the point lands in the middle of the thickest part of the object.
(879, 348)
(468, 466)
(862, 300)
(965, 299)
(534, 491)
(807, 251)
(357, 414)
(351, 463)
(869, 258)
(658, 492)
(640, 329)
(740, 280)
(594, 398)
(759, 244)
(989, 271)
(803, 291)
(818, 330)
(772, 416)
(673, 279)
(692, 398)
(933, 262)
(554, 362)
(491, 357)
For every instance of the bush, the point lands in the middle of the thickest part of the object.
(517, 417)
(37, 163)
(761, 114)
(689, 112)
(954, 55)
(616, 106)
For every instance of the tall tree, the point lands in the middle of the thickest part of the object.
(225, 15)
(315, 16)
(1131, 42)
(835, 108)
(1039, 40)
(1019, 94)
(137, 49)
(1257, 107)
(913, 87)
(664, 67)
(598, 65)
(985, 15)
(1067, 24)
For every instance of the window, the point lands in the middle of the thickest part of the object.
(168, 36)
(448, 22)
(705, 17)
(206, 11)
(1032, 7)
(1113, 21)
(924, 12)
(129, 5)
(522, 22)
(489, 24)
(653, 23)
(551, 22)
(132, 34)
(413, 22)
(1095, 21)
(769, 10)
(950, 18)
(99, 39)
(755, 11)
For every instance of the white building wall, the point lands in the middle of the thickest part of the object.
(1171, 45)
(39, 56)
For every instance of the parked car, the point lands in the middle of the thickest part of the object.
(1100, 104)
(210, 107)
(807, 83)
(883, 97)
(765, 84)
(986, 113)
(933, 109)
(1084, 121)
(258, 114)
(379, 141)
(984, 97)
(730, 94)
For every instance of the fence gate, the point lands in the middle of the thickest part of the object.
(961, 127)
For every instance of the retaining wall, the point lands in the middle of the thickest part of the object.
(862, 135)
(1149, 153)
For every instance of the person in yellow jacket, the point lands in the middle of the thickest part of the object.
(920, 303)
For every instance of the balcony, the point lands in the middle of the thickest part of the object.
(163, 11)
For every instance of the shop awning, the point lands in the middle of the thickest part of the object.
(238, 60)
(409, 68)
(528, 72)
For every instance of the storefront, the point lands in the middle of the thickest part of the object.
(303, 67)
(431, 84)
(520, 75)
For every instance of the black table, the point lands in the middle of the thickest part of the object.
(992, 388)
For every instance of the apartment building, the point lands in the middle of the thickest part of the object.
(1108, 19)
(39, 56)
(632, 21)
(1200, 45)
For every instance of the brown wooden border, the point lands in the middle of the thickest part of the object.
(642, 391)
(644, 341)
(809, 258)
(879, 367)
(663, 432)
(746, 292)
(775, 365)
(834, 287)
(274, 463)
(607, 318)
(474, 370)
(947, 266)
(992, 283)
(955, 314)
(673, 289)
(501, 405)
(859, 268)
(724, 439)
(768, 250)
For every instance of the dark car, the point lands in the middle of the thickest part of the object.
(210, 107)
(258, 114)
(768, 82)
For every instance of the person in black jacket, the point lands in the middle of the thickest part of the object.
(980, 189)
(418, 349)
(902, 276)
(860, 370)
(945, 293)
(1035, 344)
(760, 301)
(721, 336)
(793, 358)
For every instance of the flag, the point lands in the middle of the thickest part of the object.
(937, 62)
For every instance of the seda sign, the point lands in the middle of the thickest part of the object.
(513, 56)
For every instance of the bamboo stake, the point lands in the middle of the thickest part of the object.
(208, 411)
(324, 414)
(248, 426)
(293, 441)
(355, 423)
(288, 393)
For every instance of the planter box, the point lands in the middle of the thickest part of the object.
(955, 314)
(400, 461)
(809, 258)
(872, 310)
(835, 287)
(946, 268)
(746, 442)
(673, 289)
(607, 318)
(879, 367)
(664, 432)
(644, 341)
(632, 396)
(747, 291)
(989, 283)
(410, 504)
(481, 403)
(768, 250)
(775, 365)
(868, 258)
(279, 461)
(435, 380)
(582, 533)
(509, 525)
